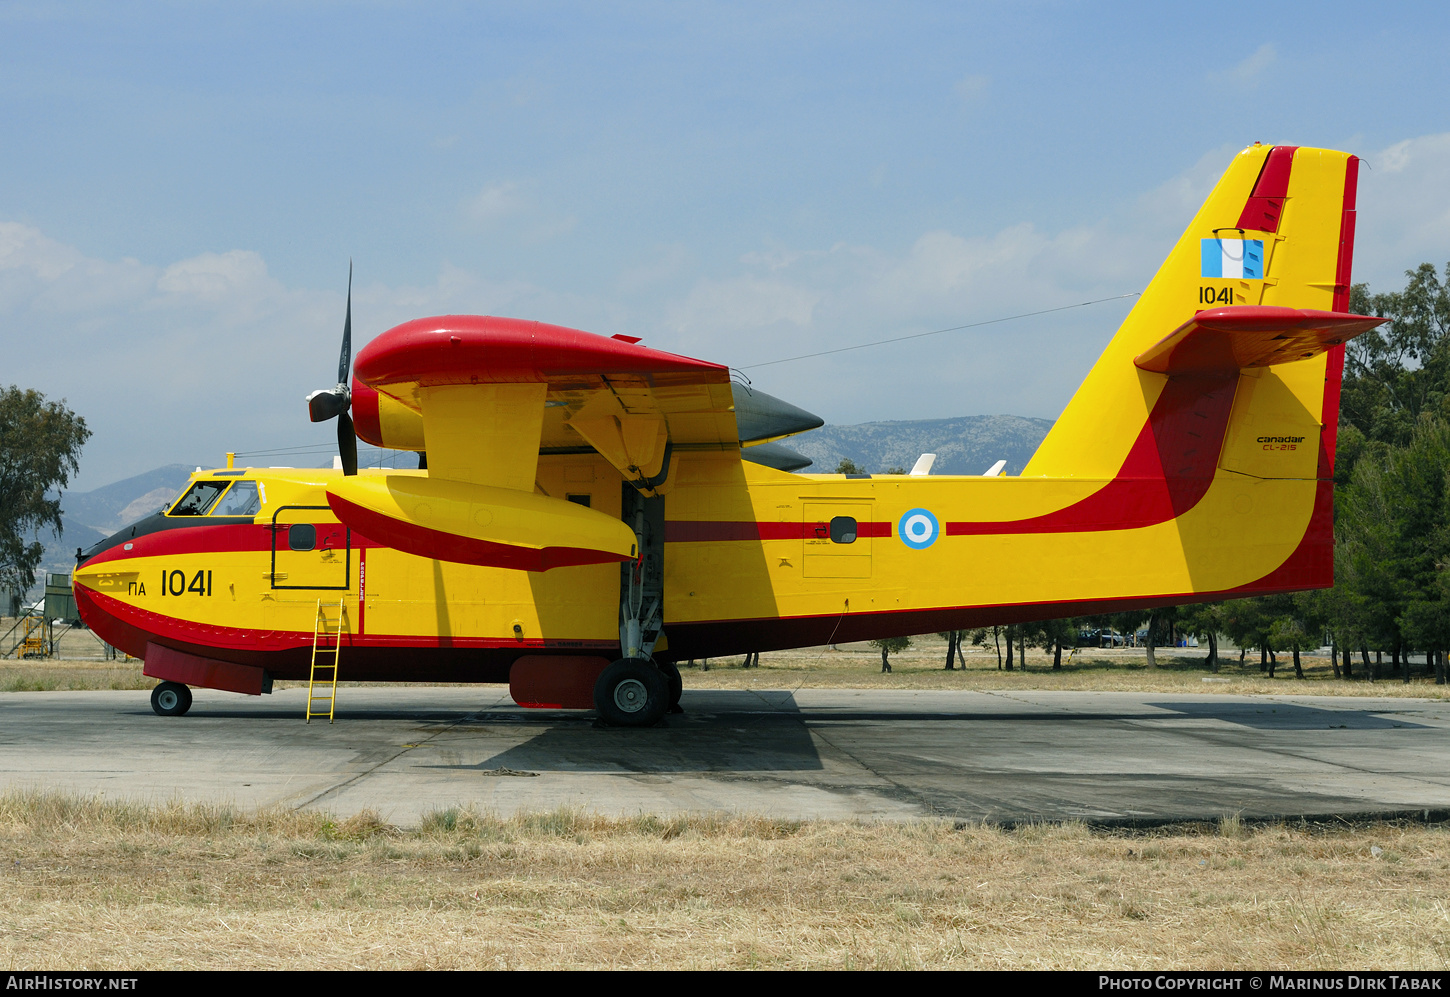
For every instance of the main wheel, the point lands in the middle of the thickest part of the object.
(170, 699)
(674, 683)
(631, 693)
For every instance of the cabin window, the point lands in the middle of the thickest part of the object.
(579, 500)
(240, 500)
(302, 536)
(198, 498)
(843, 530)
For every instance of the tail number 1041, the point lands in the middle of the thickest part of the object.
(175, 583)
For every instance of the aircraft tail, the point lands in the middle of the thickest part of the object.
(1277, 230)
(1230, 363)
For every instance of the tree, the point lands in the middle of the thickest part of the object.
(954, 648)
(1401, 371)
(1053, 634)
(1206, 621)
(889, 645)
(847, 466)
(40, 445)
(979, 637)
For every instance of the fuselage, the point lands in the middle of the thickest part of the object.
(755, 559)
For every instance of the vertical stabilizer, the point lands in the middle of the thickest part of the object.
(1278, 230)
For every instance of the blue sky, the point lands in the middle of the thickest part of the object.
(182, 186)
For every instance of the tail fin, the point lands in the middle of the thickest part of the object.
(1278, 231)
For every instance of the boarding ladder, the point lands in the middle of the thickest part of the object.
(322, 682)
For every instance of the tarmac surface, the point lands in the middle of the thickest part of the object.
(404, 751)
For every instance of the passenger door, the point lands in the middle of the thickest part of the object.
(307, 551)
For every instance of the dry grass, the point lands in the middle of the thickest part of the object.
(51, 676)
(109, 886)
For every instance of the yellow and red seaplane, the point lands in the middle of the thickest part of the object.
(589, 511)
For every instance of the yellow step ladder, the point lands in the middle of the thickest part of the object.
(33, 645)
(324, 672)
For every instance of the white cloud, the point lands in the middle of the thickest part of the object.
(1404, 210)
(507, 206)
(39, 274)
(1248, 73)
(739, 310)
(214, 277)
(496, 201)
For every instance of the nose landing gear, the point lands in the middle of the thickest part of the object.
(170, 699)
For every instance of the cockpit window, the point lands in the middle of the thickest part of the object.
(198, 498)
(240, 500)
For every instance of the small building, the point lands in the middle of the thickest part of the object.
(60, 599)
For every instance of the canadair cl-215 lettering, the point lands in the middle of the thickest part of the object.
(591, 511)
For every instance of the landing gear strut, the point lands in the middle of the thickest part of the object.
(170, 699)
(635, 691)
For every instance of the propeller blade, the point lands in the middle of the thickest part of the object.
(347, 443)
(344, 360)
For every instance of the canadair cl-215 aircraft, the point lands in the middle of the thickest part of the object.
(589, 511)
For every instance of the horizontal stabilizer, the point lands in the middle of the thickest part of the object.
(775, 455)
(1224, 340)
(478, 524)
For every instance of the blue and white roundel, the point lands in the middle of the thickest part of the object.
(918, 529)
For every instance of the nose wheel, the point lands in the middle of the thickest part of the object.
(170, 699)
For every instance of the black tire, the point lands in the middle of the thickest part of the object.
(171, 699)
(674, 683)
(631, 693)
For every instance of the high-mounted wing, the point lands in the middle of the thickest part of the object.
(484, 396)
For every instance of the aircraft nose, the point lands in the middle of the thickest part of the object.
(105, 613)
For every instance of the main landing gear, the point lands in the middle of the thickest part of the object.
(170, 699)
(635, 691)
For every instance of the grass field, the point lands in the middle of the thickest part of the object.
(858, 666)
(97, 885)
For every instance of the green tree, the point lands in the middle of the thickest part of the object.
(1399, 372)
(1053, 635)
(847, 466)
(1247, 623)
(889, 646)
(1394, 531)
(40, 445)
(1205, 621)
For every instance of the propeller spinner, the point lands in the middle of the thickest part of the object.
(333, 403)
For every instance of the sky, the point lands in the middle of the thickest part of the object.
(182, 186)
